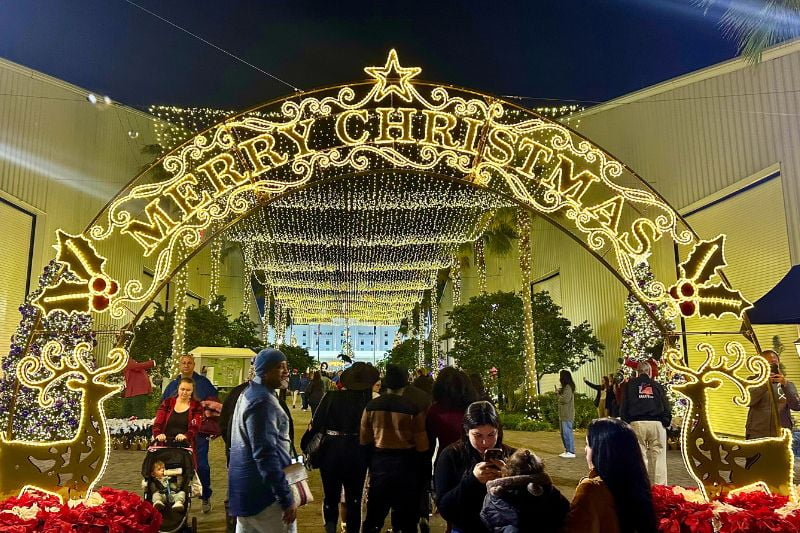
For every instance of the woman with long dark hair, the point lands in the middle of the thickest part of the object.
(315, 391)
(615, 497)
(604, 394)
(342, 462)
(566, 412)
(452, 394)
(463, 468)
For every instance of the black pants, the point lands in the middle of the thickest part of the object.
(334, 477)
(393, 485)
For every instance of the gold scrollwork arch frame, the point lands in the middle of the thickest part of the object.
(389, 123)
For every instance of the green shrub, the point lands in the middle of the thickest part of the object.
(143, 406)
(534, 425)
(520, 422)
(585, 411)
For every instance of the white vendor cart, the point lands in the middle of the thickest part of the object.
(224, 367)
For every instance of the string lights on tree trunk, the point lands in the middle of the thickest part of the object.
(525, 256)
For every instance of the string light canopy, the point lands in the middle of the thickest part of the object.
(365, 249)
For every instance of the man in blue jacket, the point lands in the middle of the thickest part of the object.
(203, 390)
(258, 492)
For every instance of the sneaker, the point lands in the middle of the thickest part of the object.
(158, 505)
(177, 506)
(207, 505)
(567, 455)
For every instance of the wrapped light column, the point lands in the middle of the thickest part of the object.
(247, 290)
(279, 323)
(435, 363)
(480, 263)
(216, 258)
(181, 280)
(524, 243)
(455, 277)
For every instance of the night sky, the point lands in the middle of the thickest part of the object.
(584, 50)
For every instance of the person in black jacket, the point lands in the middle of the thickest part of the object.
(645, 407)
(342, 461)
(524, 499)
(462, 472)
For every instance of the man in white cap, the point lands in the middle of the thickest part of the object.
(259, 494)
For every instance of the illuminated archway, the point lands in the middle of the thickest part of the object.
(391, 122)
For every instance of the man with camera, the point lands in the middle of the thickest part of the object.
(770, 404)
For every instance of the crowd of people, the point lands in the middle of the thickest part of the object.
(389, 447)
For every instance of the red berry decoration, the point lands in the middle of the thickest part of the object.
(673, 291)
(112, 288)
(99, 302)
(687, 308)
(98, 284)
(687, 289)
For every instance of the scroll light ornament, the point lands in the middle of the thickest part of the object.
(67, 469)
(717, 464)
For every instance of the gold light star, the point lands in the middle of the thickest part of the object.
(393, 78)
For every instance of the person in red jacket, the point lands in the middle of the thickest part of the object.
(137, 382)
(179, 417)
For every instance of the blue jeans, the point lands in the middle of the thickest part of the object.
(203, 469)
(567, 437)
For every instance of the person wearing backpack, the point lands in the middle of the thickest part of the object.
(646, 408)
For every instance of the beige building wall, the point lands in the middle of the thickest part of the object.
(63, 158)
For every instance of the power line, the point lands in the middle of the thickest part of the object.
(647, 100)
(209, 43)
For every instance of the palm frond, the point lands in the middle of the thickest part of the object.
(756, 26)
(463, 254)
(501, 231)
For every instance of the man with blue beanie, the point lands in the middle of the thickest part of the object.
(259, 494)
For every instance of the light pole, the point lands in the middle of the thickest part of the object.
(374, 343)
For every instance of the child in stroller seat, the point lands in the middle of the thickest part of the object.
(163, 487)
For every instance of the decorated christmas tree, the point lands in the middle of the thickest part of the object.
(640, 334)
(30, 420)
(642, 340)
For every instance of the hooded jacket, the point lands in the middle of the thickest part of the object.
(259, 452)
(644, 399)
(523, 503)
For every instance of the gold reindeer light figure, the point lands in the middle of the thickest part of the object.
(709, 457)
(67, 468)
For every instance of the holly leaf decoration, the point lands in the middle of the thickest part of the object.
(704, 260)
(70, 297)
(716, 300)
(694, 294)
(79, 255)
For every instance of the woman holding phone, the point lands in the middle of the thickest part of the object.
(464, 467)
(566, 412)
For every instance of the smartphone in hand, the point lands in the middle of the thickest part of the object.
(493, 454)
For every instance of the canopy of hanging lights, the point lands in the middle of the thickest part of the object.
(363, 249)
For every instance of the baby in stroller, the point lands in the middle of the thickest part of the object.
(169, 483)
(163, 488)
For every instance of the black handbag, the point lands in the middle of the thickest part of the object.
(313, 449)
(312, 441)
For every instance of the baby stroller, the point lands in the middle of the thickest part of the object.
(179, 466)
